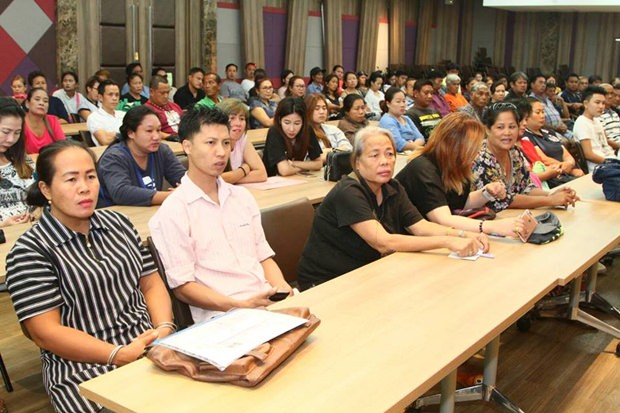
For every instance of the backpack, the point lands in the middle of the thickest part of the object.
(608, 174)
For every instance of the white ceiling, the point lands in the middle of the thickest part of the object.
(556, 5)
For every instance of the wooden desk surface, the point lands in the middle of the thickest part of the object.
(73, 129)
(389, 331)
(176, 147)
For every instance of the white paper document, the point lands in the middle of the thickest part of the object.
(274, 182)
(223, 339)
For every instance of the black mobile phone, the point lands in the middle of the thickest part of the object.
(279, 296)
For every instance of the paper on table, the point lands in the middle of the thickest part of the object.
(223, 339)
(274, 182)
(471, 257)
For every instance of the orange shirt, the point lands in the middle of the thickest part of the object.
(455, 101)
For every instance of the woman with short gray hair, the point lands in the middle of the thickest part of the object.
(368, 215)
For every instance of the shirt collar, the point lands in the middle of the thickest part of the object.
(193, 192)
(61, 234)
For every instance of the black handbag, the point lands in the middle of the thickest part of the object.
(338, 163)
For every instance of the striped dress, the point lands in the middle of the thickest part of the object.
(93, 280)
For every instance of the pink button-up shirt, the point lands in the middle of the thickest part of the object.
(220, 246)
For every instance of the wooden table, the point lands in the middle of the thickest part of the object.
(177, 149)
(73, 129)
(390, 330)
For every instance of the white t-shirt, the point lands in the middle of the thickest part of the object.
(100, 119)
(247, 84)
(586, 129)
(71, 103)
(372, 101)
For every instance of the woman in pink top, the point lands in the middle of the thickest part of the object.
(245, 165)
(40, 129)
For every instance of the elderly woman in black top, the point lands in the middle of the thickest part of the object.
(83, 285)
(368, 215)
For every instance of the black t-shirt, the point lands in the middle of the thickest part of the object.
(275, 150)
(425, 119)
(421, 179)
(333, 248)
(183, 96)
(550, 145)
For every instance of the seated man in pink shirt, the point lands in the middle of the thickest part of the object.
(208, 233)
(169, 113)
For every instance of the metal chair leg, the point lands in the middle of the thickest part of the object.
(5, 376)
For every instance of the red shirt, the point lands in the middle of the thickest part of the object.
(169, 116)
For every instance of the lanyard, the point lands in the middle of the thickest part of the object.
(146, 181)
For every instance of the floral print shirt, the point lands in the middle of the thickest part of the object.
(487, 169)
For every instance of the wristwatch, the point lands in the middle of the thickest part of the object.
(487, 195)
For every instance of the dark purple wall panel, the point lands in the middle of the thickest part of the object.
(275, 22)
(350, 30)
(410, 33)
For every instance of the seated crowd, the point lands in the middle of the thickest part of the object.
(472, 143)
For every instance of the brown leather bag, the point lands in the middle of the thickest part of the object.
(250, 369)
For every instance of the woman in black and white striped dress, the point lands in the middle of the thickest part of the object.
(83, 286)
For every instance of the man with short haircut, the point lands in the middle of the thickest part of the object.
(572, 96)
(609, 118)
(248, 82)
(439, 102)
(229, 87)
(423, 114)
(69, 95)
(192, 91)
(169, 113)
(316, 80)
(208, 233)
(408, 89)
(595, 80)
(211, 87)
(480, 97)
(135, 67)
(37, 79)
(401, 79)
(104, 124)
(589, 130)
(518, 86)
(553, 118)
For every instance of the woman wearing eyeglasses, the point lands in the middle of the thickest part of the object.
(262, 108)
(296, 87)
(499, 160)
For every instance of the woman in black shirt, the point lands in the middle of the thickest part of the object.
(367, 215)
(290, 146)
(438, 178)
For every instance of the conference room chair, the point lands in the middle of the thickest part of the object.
(5, 376)
(287, 228)
(87, 138)
(180, 310)
(576, 150)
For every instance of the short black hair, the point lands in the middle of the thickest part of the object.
(157, 69)
(231, 64)
(130, 67)
(104, 83)
(195, 117)
(572, 74)
(70, 73)
(34, 74)
(592, 90)
(594, 78)
(518, 75)
(422, 82)
(195, 70)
